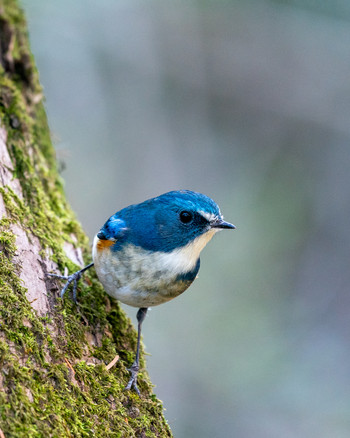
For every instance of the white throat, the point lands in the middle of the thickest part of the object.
(184, 259)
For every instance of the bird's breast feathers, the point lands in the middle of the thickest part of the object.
(144, 278)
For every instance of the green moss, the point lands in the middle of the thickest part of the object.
(56, 380)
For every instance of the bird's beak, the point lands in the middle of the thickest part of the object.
(220, 223)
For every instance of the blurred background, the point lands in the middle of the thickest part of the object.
(249, 103)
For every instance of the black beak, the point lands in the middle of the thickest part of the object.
(220, 223)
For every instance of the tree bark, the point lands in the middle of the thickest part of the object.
(53, 353)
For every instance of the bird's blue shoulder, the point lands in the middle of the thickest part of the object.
(114, 229)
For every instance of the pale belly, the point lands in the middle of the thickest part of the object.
(140, 278)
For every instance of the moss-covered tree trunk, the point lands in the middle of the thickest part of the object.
(53, 354)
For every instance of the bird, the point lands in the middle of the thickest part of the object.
(149, 253)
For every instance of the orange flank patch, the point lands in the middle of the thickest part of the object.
(104, 244)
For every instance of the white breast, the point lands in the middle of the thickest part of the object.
(143, 278)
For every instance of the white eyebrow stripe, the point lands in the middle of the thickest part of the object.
(208, 216)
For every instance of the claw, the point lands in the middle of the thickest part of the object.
(134, 369)
(75, 277)
(69, 279)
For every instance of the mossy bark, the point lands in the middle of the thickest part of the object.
(53, 354)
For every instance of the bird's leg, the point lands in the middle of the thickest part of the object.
(134, 369)
(72, 278)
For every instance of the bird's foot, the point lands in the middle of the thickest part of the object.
(134, 369)
(69, 279)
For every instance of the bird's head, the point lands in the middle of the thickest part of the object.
(183, 216)
(172, 220)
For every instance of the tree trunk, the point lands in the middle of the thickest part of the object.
(53, 353)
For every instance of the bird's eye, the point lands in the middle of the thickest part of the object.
(186, 217)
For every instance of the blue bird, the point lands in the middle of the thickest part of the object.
(147, 254)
